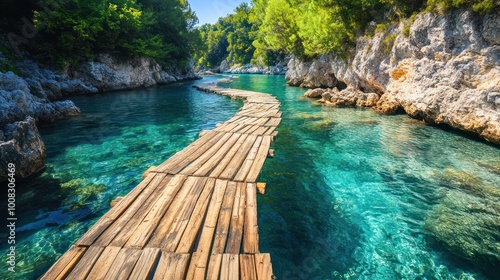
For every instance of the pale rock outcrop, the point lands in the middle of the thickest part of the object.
(447, 71)
(17, 102)
(311, 74)
(278, 69)
(348, 97)
(22, 145)
(107, 73)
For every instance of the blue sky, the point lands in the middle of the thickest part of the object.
(209, 11)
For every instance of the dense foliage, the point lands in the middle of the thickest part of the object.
(308, 28)
(70, 31)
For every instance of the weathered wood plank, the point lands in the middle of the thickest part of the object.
(222, 230)
(230, 267)
(172, 239)
(237, 221)
(118, 233)
(248, 162)
(183, 199)
(123, 264)
(221, 146)
(172, 266)
(145, 228)
(259, 160)
(247, 267)
(251, 228)
(198, 265)
(65, 264)
(235, 163)
(102, 224)
(189, 237)
(179, 156)
(214, 267)
(217, 159)
(86, 263)
(103, 264)
(264, 267)
(144, 266)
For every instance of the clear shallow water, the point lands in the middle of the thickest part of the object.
(95, 157)
(351, 195)
(355, 195)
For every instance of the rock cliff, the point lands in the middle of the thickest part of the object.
(445, 70)
(280, 68)
(34, 95)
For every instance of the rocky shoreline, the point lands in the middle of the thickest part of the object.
(34, 94)
(443, 69)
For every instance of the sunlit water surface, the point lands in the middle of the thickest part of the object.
(350, 194)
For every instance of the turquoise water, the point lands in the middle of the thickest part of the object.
(350, 194)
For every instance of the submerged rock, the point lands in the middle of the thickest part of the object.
(22, 145)
(348, 97)
(467, 219)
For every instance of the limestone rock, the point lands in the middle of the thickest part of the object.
(224, 66)
(447, 71)
(311, 74)
(314, 93)
(17, 102)
(22, 146)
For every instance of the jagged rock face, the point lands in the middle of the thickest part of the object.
(22, 145)
(447, 71)
(107, 73)
(311, 74)
(17, 102)
(278, 69)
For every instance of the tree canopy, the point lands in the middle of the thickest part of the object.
(307, 28)
(71, 31)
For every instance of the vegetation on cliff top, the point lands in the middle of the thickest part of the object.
(71, 31)
(263, 32)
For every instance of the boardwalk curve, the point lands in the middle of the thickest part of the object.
(192, 217)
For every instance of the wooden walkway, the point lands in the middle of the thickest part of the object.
(192, 217)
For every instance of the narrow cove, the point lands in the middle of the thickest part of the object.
(351, 195)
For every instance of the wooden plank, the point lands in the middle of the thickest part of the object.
(194, 205)
(64, 264)
(189, 237)
(103, 264)
(123, 264)
(251, 228)
(145, 228)
(259, 160)
(273, 122)
(247, 267)
(261, 187)
(214, 267)
(145, 265)
(172, 161)
(252, 129)
(172, 266)
(192, 156)
(264, 266)
(83, 267)
(98, 228)
(207, 155)
(248, 162)
(222, 230)
(261, 130)
(235, 163)
(183, 199)
(230, 267)
(237, 221)
(198, 265)
(119, 232)
(215, 160)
